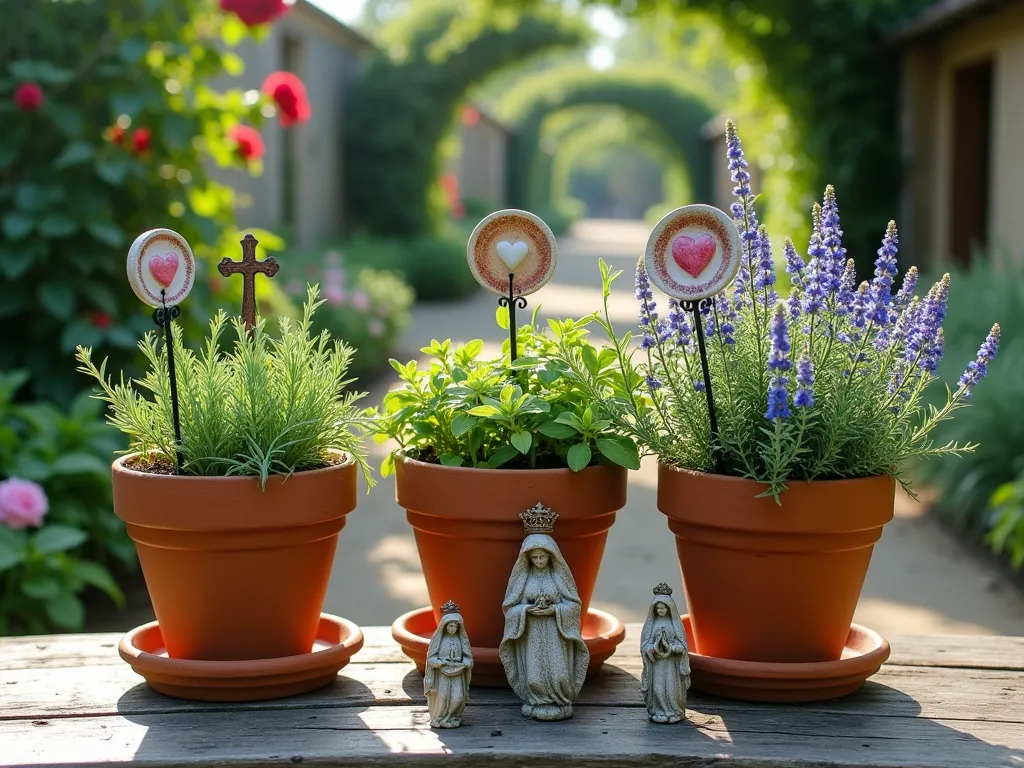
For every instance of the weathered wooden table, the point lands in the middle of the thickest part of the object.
(940, 701)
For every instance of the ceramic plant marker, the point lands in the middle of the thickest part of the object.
(666, 675)
(542, 651)
(512, 253)
(693, 253)
(448, 669)
(161, 271)
(248, 268)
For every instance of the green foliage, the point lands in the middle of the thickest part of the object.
(966, 484)
(43, 571)
(821, 61)
(561, 215)
(267, 406)
(73, 195)
(467, 411)
(368, 308)
(434, 265)
(1007, 534)
(679, 108)
(405, 104)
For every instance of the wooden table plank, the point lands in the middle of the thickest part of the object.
(596, 736)
(967, 651)
(70, 701)
(111, 690)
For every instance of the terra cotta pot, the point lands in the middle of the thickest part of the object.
(236, 572)
(772, 583)
(468, 530)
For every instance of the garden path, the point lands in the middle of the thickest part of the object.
(922, 580)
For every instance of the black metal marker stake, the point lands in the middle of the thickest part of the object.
(163, 317)
(512, 301)
(694, 307)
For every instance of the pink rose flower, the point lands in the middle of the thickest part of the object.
(22, 503)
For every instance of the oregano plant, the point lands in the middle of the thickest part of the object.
(465, 410)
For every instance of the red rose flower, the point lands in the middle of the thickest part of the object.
(28, 97)
(250, 143)
(116, 135)
(140, 140)
(470, 116)
(289, 94)
(100, 319)
(253, 12)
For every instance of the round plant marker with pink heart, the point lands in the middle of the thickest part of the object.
(516, 243)
(161, 267)
(693, 253)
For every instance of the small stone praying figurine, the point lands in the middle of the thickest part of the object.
(448, 669)
(666, 675)
(542, 650)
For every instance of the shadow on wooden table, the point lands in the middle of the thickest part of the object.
(878, 726)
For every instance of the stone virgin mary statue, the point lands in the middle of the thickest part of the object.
(448, 669)
(666, 675)
(542, 650)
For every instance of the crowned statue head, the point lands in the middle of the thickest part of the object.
(663, 613)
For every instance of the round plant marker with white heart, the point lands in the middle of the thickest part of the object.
(516, 243)
(693, 253)
(161, 267)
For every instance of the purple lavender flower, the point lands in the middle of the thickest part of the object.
(644, 294)
(816, 273)
(847, 288)
(794, 265)
(924, 343)
(906, 292)
(698, 385)
(881, 285)
(977, 369)
(679, 324)
(804, 397)
(764, 277)
(778, 364)
(652, 383)
(778, 355)
(832, 240)
(744, 213)
(727, 317)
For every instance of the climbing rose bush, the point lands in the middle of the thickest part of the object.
(827, 383)
(110, 127)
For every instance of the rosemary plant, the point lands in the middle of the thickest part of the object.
(827, 383)
(266, 406)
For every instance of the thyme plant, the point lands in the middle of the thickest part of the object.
(464, 410)
(827, 383)
(265, 406)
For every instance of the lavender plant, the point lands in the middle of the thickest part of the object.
(825, 384)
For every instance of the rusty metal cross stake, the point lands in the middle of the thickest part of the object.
(248, 267)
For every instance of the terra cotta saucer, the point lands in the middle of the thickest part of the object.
(864, 653)
(337, 640)
(602, 632)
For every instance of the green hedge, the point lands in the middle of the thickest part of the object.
(405, 103)
(679, 109)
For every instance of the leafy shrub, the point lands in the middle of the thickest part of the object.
(369, 311)
(466, 411)
(46, 562)
(266, 406)
(435, 266)
(563, 214)
(406, 102)
(967, 484)
(118, 142)
(829, 383)
(1007, 534)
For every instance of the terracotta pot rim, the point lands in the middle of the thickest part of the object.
(118, 466)
(431, 466)
(741, 481)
